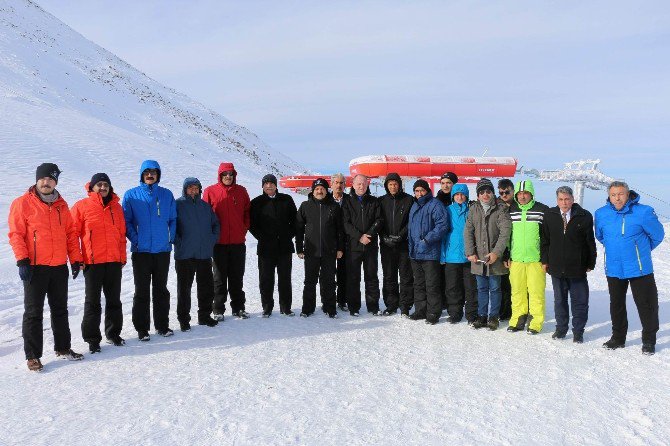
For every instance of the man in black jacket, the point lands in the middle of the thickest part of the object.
(362, 222)
(320, 242)
(272, 216)
(337, 185)
(395, 207)
(569, 252)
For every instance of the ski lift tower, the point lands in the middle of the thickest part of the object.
(584, 173)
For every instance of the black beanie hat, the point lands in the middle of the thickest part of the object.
(451, 175)
(319, 182)
(47, 170)
(269, 178)
(421, 183)
(484, 183)
(98, 177)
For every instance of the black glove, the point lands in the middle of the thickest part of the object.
(25, 270)
(76, 267)
(395, 238)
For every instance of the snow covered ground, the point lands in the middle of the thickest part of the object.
(316, 381)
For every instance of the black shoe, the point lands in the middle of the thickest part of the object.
(513, 329)
(303, 314)
(416, 317)
(376, 313)
(69, 354)
(165, 333)
(288, 313)
(532, 331)
(267, 314)
(578, 338)
(184, 326)
(143, 336)
(94, 347)
(354, 313)
(471, 321)
(453, 319)
(558, 335)
(613, 344)
(332, 315)
(219, 317)
(404, 315)
(431, 321)
(388, 312)
(480, 322)
(209, 321)
(117, 341)
(241, 314)
(342, 307)
(648, 349)
(493, 323)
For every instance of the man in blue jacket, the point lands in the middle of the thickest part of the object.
(197, 233)
(428, 222)
(629, 231)
(151, 224)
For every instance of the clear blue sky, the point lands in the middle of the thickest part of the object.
(324, 82)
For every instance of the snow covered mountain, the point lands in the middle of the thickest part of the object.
(66, 100)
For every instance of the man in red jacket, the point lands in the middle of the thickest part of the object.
(43, 237)
(231, 204)
(102, 230)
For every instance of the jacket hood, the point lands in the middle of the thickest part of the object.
(226, 167)
(527, 186)
(392, 177)
(188, 182)
(460, 188)
(425, 199)
(150, 164)
(633, 198)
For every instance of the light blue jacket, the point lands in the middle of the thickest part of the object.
(453, 243)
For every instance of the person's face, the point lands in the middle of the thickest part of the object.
(393, 187)
(270, 189)
(150, 176)
(360, 186)
(419, 192)
(619, 197)
(46, 185)
(460, 198)
(565, 201)
(446, 185)
(524, 197)
(485, 195)
(227, 177)
(506, 194)
(320, 192)
(192, 190)
(337, 184)
(101, 187)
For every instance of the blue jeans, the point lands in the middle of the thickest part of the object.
(489, 295)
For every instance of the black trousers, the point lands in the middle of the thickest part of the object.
(506, 302)
(461, 290)
(645, 295)
(187, 270)
(368, 259)
(99, 278)
(321, 269)
(229, 262)
(578, 291)
(267, 264)
(341, 279)
(49, 281)
(395, 262)
(150, 273)
(427, 296)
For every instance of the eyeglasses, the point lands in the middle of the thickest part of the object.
(505, 192)
(227, 174)
(150, 172)
(485, 191)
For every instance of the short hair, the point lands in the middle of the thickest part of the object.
(339, 176)
(564, 190)
(504, 183)
(365, 177)
(617, 183)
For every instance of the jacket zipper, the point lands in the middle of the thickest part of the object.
(393, 218)
(59, 222)
(320, 232)
(35, 247)
(158, 206)
(90, 240)
(639, 261)
(623, 225)
(112, 212)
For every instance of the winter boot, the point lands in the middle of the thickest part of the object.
(288, 313)
(117, 341)
(416, 316)
(69, 354)
(165, 333)
(143, 336)
(209, 321)
(558, 335)
(218, 317)
(480, 322)
(578, 338)
(184, 326)
(94, 347)
(613, 344)
(35, 365)
(493, 323)
(648, 349)
(241, 314)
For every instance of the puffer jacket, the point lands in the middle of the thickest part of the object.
(362, 217)
(453, 243)
(395, 212)
(42, 233)
(231, 205)
(487, 232)
(319, 230)
(628, 235)
(197, 226)
(151, 215)
(526, 242)
(101, 228)
(428, 222)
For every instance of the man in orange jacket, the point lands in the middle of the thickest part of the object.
(43, 237)
(231, 204)
(102, 230)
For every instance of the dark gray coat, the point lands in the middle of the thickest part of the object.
(485, 233)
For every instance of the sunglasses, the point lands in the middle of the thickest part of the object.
(150, 172)
(227, 174)
(485, 192)
(505, 192)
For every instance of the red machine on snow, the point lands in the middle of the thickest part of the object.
(468, 168)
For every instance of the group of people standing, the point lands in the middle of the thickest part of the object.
(484, 259)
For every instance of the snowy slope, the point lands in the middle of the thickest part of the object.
(273, 381)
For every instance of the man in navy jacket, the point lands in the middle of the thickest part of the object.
(151, 223)
(629, 231)
(197, 232)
